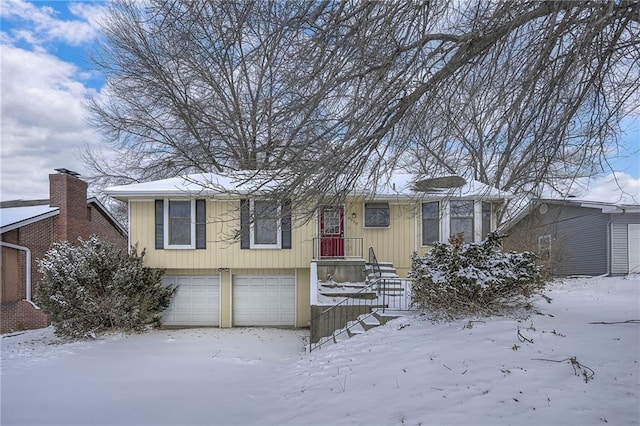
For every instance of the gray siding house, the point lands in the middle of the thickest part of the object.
(576, 237)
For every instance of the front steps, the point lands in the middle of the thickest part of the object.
(383, 289)
(349, 289)
(385, 275)
(364, 323)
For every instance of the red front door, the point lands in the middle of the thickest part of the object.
(331, 231)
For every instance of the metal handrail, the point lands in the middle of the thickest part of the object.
(402, 301)
(383, 285)
(348, 301)
(379, 286)
(373, 261)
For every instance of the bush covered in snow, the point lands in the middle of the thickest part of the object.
(95, 286)
(460, 279)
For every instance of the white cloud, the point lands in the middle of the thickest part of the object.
(44, 24)
(617, 187)
(43, 121)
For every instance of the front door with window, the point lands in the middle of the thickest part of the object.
(331, 231)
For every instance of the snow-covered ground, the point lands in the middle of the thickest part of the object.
(484, 372)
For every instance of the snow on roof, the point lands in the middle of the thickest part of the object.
(193, 184)
(396, 185)
(14, 217)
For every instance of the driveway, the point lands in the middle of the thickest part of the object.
(176, 377)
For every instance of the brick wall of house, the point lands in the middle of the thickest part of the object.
(99, 225)
(21, 315)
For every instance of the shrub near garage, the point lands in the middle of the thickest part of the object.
(457, 279)
(96, 286)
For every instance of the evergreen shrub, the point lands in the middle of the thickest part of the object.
(97, 286)
(457, 279)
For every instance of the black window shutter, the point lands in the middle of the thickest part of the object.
(286, 224)
(245, 216)
(201, 224)
(159, 225)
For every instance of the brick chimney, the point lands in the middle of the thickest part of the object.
(69, 193)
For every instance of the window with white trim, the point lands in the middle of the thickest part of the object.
(265, 226)
(430, 222)
(376, 215)
(461, 212)
(180, 220)
(180, 224)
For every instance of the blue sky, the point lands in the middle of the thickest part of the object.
(46, 75)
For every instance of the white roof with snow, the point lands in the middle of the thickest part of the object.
(15, 217)
(396, 186)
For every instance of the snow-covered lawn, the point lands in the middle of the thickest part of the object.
(485, 372)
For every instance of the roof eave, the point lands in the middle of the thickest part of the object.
(28, 221)
(127, 195)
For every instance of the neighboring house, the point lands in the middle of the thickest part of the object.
(579, 237)
(264, 276)
(29, 228)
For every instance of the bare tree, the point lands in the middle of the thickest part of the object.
(318, 95)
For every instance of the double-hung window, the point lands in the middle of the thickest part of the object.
(430, 222)
(180, 216)
(265, 227)
(180, 224)
(462, 219)
(265, 224)
(376, 215)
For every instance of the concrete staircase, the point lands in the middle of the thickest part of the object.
(383, 292)
(386, 278)
(364, 323)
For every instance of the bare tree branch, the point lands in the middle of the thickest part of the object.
(320, 95)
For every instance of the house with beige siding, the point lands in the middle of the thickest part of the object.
(240, 259)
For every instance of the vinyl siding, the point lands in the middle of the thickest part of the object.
(393, 244)
(221, 250)
(584, 232)
(579, 238)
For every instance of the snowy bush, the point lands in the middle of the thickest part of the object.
(460, 279)
(95, 286)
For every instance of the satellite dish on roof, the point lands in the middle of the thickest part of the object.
(439, 184)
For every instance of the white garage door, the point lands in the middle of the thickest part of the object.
(259, 300)
(634, 248)
(197, 301)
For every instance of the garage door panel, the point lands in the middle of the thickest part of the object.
(264, 300)
(196, 302)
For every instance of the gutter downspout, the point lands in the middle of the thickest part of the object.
(28, 266)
